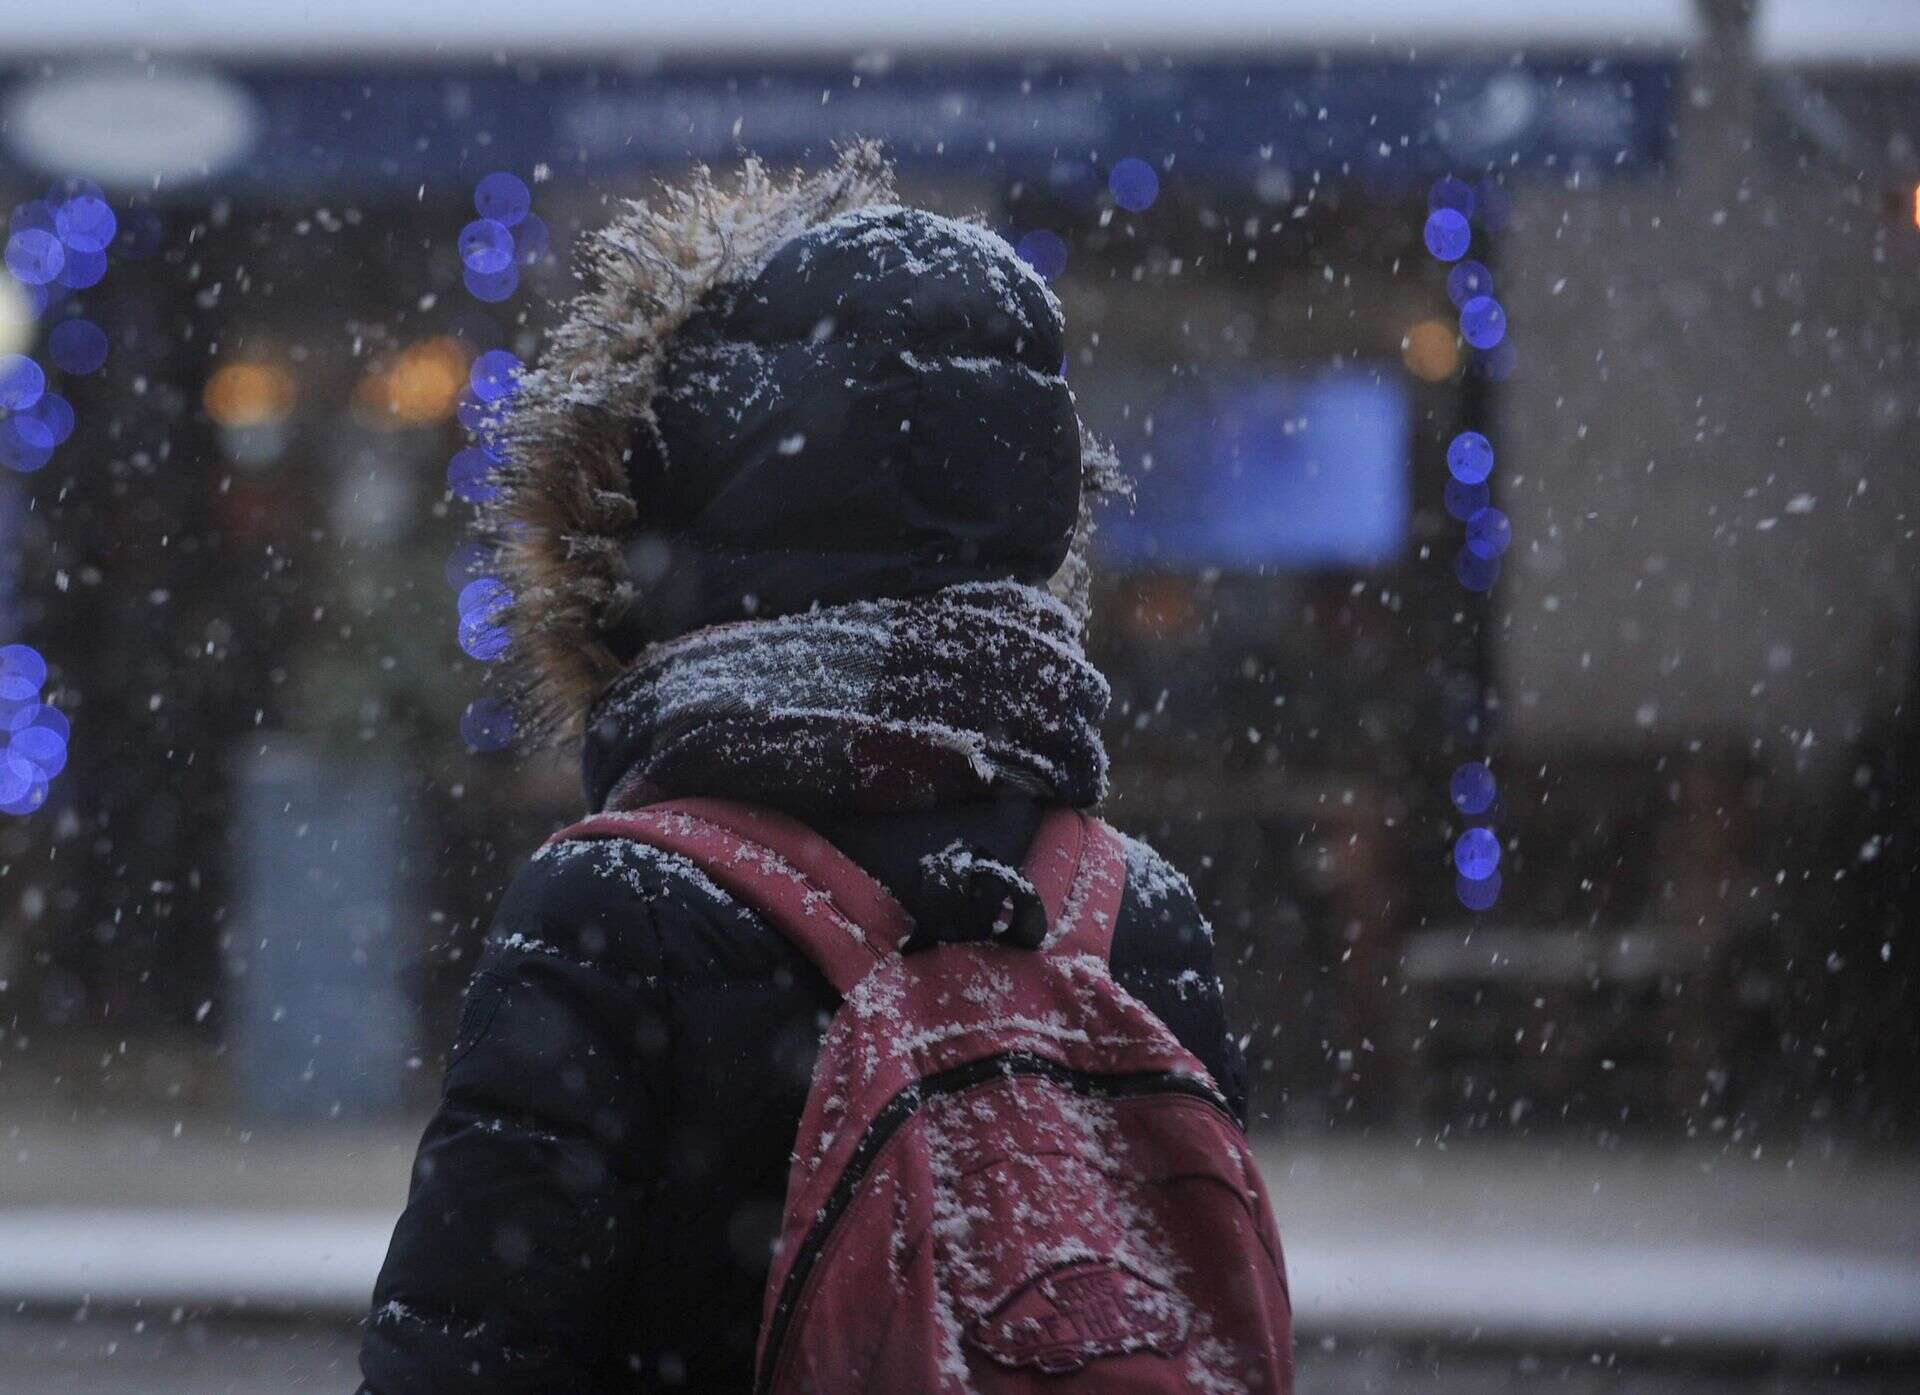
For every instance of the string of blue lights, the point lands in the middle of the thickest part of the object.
(504, 237)
(1452, 205)
(55, 245)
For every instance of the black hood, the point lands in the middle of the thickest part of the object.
(878, 412)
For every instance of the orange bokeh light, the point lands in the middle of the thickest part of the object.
(240, 395)
(419, 388)
(1431, 351)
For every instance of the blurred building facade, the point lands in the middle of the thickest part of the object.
(1693, 678)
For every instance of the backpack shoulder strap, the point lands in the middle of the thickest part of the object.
(1079, 868)
(828, 908)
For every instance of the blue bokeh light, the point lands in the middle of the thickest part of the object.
(86, 223)
(29, 802)
(495, 374)
(78, 346)
(1475, 572)
(21, 382)
(487, 725)
(1134, 184)
(40, 714)
(502, 197)
(1447, 234)
(1477, 895)
(1450, 191)
(486, 594)
(1483, 322)
(35, 256)
(54, 414)
(33, 736)
(23, 661)
(40, 747)
(1044, 251)
(1476, 853)
(18, 776)
(33, 433)
(470, 411)
(1472, 787)
(481, 419)
(1489, 533)
(482, 639)
(1464, 500)
(491, 286)
(1470, 457)
(486, 246)
(19, 451)
(470, 475)
(1467, 279)
(82, 269)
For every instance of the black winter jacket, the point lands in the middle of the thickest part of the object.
(593, 1205)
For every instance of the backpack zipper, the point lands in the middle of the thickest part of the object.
(903, 1106)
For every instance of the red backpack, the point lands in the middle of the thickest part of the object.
(1009, 1177)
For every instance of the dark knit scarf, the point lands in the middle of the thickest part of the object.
(872, 707)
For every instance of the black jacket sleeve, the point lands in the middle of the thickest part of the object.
(522, 1215)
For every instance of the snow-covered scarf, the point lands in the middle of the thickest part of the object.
(872, 707)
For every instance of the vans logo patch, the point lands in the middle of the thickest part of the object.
(1067, 1317)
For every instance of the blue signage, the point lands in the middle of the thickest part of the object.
(1270, 472)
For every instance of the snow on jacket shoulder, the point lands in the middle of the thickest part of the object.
(593, 1205)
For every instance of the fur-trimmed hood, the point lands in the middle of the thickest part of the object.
(565, 513)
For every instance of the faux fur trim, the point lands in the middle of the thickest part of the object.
(564, 511)
(1101, 477)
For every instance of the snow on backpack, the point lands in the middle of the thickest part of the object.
(1009, 1176)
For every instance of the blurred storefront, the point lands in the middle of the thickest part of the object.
(242, 567)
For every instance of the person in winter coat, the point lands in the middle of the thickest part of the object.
(795, 512)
